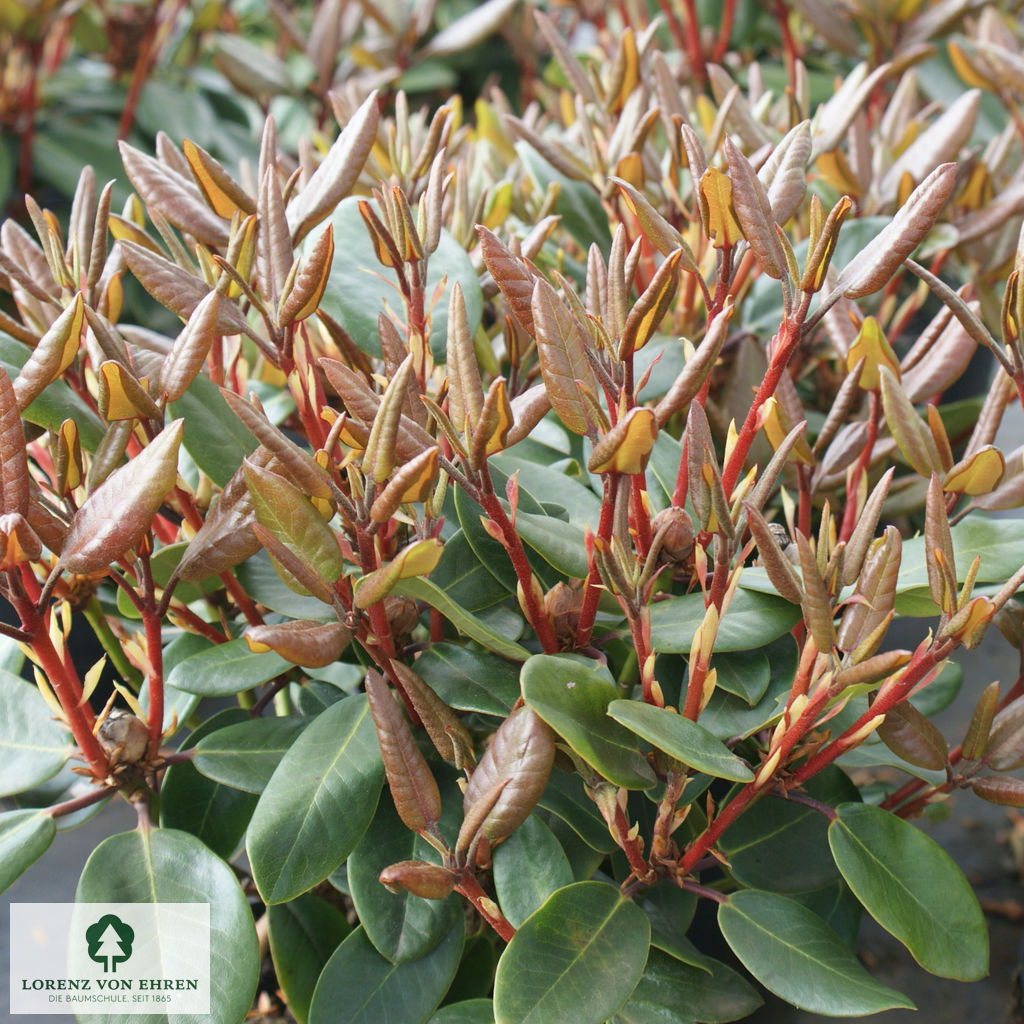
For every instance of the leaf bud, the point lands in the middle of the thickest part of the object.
(428, 881)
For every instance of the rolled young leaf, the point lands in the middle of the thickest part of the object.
(117, 515)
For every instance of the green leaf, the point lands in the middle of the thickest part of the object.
(743, 673)
(573, 700)
(358, 286)
(999, 542)
(226, 669)
(560, 544)
(464, 578)
(215, 437)
(290, 516)
(262, 583)
(246, 755)
(681, 739)
(470, 679)
(469, 1011)
(466, 623)
(401, 926)
(782, 846)
(751, 620)
(528, 867)
(576, 959)
(564, 797)
(167, 866)
(359, 986)
(913, 889)
(32, 745)
(318, 803)
(214, 813)
(303, 934)
(670, 911)
(24, 837)
(667, 988)
(793, 953)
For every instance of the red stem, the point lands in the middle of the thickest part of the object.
(592, 589)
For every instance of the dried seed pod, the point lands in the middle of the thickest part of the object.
(908, 734)
(428, 881)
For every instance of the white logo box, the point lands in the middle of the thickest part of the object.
(110, 958)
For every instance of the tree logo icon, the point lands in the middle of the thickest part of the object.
(110, 942)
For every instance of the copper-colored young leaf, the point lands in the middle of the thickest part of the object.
(496, 418)
(177, 289)
(163, 189)
(941, 141)
(522, 751)
(528, 409)
(754, 212)
(944, 362)
(411, 482)
(875, 264)
(784, 173)
(563, 362)
(779, 568)
(303, 470)
(977, 473)
(303, 642)
(836, 115)
(465, 391)
(473, 27)
(363, 403)
(294, 569)
(338, 171)
(512, 276)
(53, 354)
(876, 591)
(913, 438)
(273, 240)
(117, 515)
(627, 446)
(938, 549)
(14, 479)
(980, 725)
(382, 445)
(222, 192)
(664, 236)
(864, 532)
(818, 612)
(697, 370)
(911, 736)
(1000, 789)
(309, 283)
(722, 225)
(121, 394)
(871, 670)
(567, 60)
(421, 878)
(188, 353)
(450, 737)
(286, 511)
(225, 539)
(413, 788)
(872, 350)
(419, 558)
(651, 308)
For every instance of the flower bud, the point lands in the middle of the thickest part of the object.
(123, 737)
(562, 606)
(676, 529)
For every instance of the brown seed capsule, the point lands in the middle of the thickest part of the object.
(123, 737)
(562, 606)
(676, 529)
